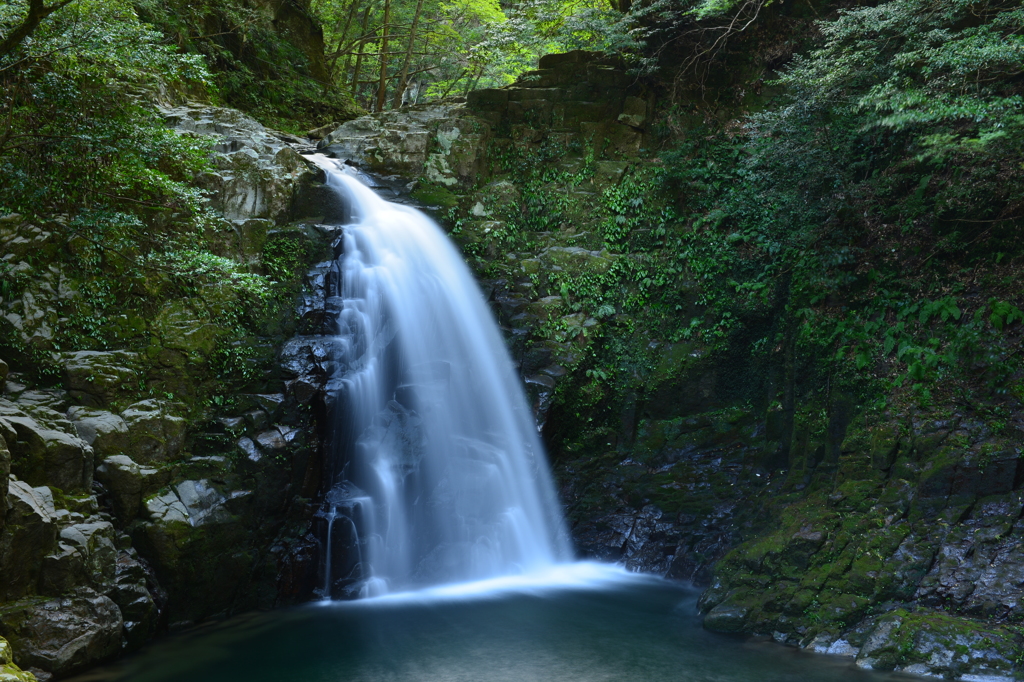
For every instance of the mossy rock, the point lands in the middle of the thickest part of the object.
(431, 194)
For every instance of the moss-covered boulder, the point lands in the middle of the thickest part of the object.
(155, 433)
(99, 378)
(9, 671)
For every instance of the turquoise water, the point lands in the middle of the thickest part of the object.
(581, 630)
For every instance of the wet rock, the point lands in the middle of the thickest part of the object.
(29, 535)
(166, 509)
(727, 617)
(44, 448)
(128, 483)
(154, 434)
(98, 378)
(85, 556)
(9, 671)
(200, 546)
(62, 636)
(642, 539)
(196, 503)
(106, 432)
(306, 356)
(139, 610)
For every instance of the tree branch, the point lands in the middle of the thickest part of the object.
(37, 11)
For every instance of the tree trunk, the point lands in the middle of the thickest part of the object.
(359, 55)
(344, 36)
(400, 90)
(382, 88)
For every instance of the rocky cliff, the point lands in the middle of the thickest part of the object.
(148, 485)
(890, 535)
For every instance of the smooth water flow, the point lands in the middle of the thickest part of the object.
(437, 451)
(584, 623)
(441, 485)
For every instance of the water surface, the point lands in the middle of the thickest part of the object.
(582, 623)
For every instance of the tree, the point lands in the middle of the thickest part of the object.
(37, 11)
(454, 45)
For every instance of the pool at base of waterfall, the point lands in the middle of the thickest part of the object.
(574, 623)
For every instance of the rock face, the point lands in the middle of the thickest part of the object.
(65, 579)
(890, 538)
(98, 378)
(45, 447)
(130, 504)
(154, 433)
(881, 562)
(63, 635)
(445, 146)
(256, 170)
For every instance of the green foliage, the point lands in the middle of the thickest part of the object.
(76, 142)
(853, 210)
(85, 158)
(265, 61)
(458, 45)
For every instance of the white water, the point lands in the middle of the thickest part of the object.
(440, 456)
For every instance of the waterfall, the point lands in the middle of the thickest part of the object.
(437, 462)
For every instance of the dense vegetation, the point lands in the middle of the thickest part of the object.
(826, 219)
(851, 240)
(878, 208)
(85, 155)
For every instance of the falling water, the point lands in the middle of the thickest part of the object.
(439, 468)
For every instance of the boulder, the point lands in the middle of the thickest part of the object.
(29, 535)
(62, 636)
(97, 378)
(138, 609)
(726, 617)
(42, 455)
(154, 435)
(106, 432)
(9, 672)
(429, 141)
(128, 483)
(255, 172)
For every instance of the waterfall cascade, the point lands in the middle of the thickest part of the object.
(440, 476)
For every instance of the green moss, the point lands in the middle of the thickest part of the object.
(434, 195)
